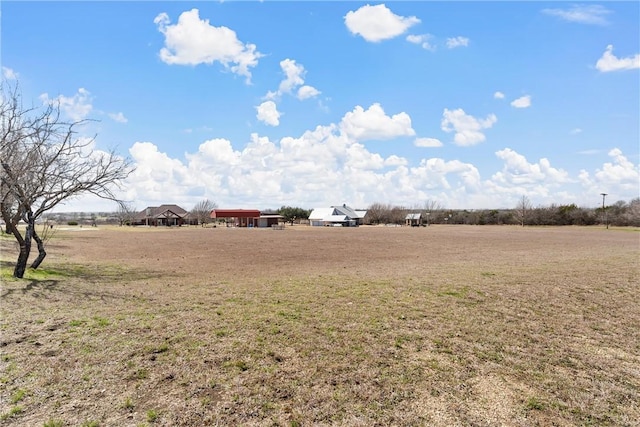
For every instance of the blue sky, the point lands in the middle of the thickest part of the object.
(311, 104)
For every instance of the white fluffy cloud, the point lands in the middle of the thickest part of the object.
(582, 13)
(468, 129)
(76, 107)
(268, 113)
(328, 165)
(294, 78)
(609, 62)
(377, 23)
(620, 172)
(373, 123)
(424, 40)
(498, 95)
(522, 102)
(453, 42)
(9, 74)
(194, 41)
(118, 117)
(518, 171)
(427, 142)
(306, 91)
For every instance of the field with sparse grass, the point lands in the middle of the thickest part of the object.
(369, 326)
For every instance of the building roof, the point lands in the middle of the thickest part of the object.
(414, 216)
(320, 213)
(162, 211)
(235, 213)
(336, 214)
(348, 211)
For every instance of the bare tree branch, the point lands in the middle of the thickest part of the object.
(44, 163)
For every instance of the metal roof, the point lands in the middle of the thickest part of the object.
(235, 213)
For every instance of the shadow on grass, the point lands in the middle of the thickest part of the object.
(59, 278)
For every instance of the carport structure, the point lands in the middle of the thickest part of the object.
(245, 217)
(237, 217)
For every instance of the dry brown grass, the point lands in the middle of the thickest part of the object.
(440, 326)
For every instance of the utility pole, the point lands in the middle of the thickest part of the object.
(604, 210)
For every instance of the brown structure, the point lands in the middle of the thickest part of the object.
(245, 217)
(167, 215)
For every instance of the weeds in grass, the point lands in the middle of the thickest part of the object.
(534, 403)
(12, 412)
(240, 364)
(53, 423)
(101, 321)
(17, 396)
(128, 404)
(152, 416)
(142, 373)
(91, 424)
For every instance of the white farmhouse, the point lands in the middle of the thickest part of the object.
(337, 216)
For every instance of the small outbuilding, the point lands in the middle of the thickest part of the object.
(413, 219)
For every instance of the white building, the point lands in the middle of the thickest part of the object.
(337, 216)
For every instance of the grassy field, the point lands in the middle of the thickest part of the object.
(370, 326)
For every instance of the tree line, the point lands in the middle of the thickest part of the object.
(621, 213)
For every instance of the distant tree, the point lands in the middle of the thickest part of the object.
(202, 211)
(428, 210)
(377, 213)
(522, 209)
(291, 214)
(632, 214)
(126, 213)
(43, 164)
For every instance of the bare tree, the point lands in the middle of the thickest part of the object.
(428, 209)
(522, 209)
(126, 213)
(202, 211)
(45, 163)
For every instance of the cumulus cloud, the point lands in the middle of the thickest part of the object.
(424, 40)
(427, 142)
(609, 62)
(593, 14)
(522, 102)
(118, 117)
(459, 41)
(76, 107)
(9, 74)
(468, 129)
(294, 78)
(377, 23)
(294, 75)
(518, 171)
(268, 113)
(194, 41)
(620, 172)
(306, 91)
(373, 123)
(325, 166)
(498, 95)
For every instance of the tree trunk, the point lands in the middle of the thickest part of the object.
(25, 250)
(41, 252)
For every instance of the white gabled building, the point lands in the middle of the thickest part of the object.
(336, 216)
